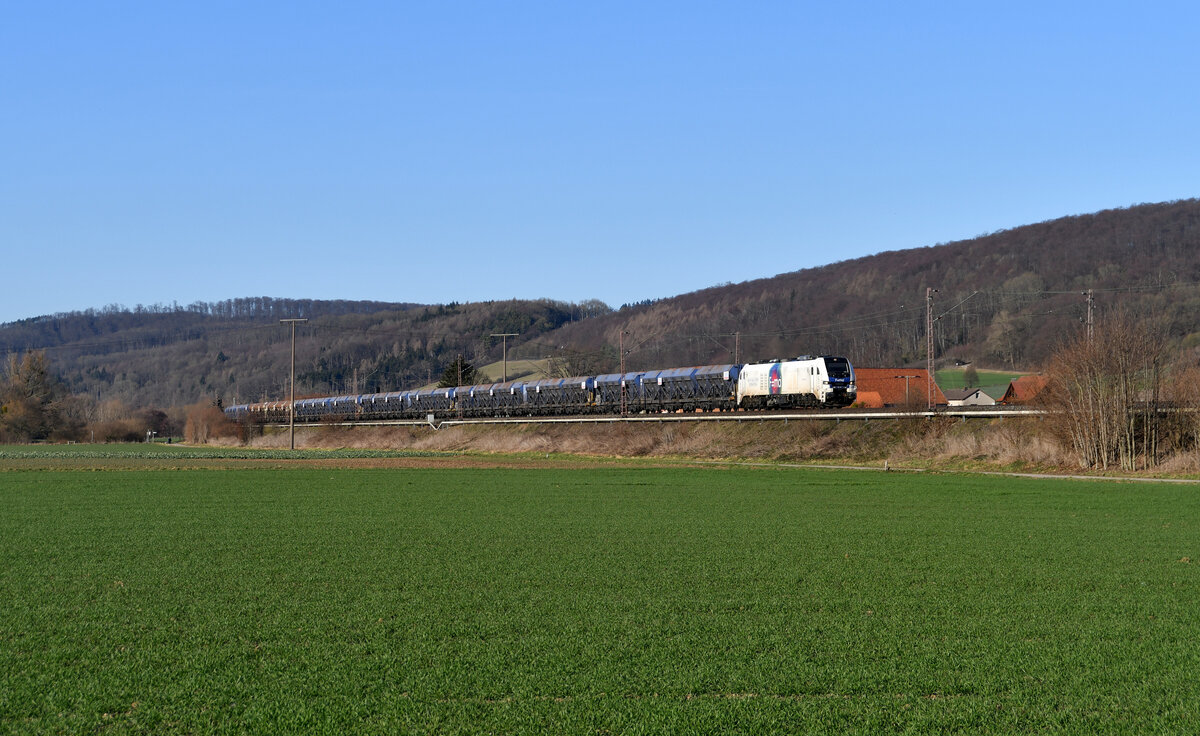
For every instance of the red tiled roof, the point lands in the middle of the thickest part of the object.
(890, 385)
(869, 400)
(1022, 390)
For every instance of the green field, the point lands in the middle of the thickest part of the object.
(994, 383)
(612, 600)
(164, 452)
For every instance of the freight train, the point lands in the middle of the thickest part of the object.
(806, 381)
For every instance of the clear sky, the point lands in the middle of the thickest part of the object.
(170, 151)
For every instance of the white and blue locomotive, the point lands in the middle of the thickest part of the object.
(807, 381)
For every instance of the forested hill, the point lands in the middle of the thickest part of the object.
(1007, 298)
(238, 351)
(116, 328)
(1003, 299)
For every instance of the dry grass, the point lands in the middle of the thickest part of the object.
(1000, 442)
(947, 443)
(916, 442)
(1184, 463)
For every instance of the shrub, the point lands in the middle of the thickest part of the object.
(206, 423)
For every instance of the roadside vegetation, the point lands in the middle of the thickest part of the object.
(945, 443)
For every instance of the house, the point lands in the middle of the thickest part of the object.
(968, 397)
(880, 388)
(1023, 390)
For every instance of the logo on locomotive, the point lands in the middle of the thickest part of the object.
(776, 378)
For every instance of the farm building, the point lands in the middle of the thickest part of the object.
(1023, 390)
(880, 388)
(968, 397)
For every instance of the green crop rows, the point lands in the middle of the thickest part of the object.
(595, 601)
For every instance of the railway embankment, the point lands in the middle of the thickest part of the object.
(1001, 444)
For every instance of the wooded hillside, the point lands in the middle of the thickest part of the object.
(166, 356)
(1004, 299)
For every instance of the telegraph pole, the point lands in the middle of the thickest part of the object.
(737, 347)
(458, 388)
(292, 402)
(504, 347)
(1091, 301)
(929, 292)
(624, 410)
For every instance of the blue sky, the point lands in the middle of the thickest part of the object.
(158, 152)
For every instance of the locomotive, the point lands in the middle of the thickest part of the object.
(806, 381)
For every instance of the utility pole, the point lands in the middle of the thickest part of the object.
(1091, 301)
(624, 409)
(929, 292)
(457, 397)
(292, 402)
(504, 347)
(907, 404)
(737, 348)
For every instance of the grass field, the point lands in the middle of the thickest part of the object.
(994, 383)
(612, 600)
(160, 451)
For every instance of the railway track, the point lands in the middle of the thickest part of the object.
(739, 416)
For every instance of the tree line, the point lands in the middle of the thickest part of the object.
(1119, 397)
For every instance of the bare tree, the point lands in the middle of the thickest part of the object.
(568, 363)
(1183, 396)
(27, 398)
(1102, 394)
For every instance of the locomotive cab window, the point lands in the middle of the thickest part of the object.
(838, 367)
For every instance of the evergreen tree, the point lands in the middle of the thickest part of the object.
(469, 376)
